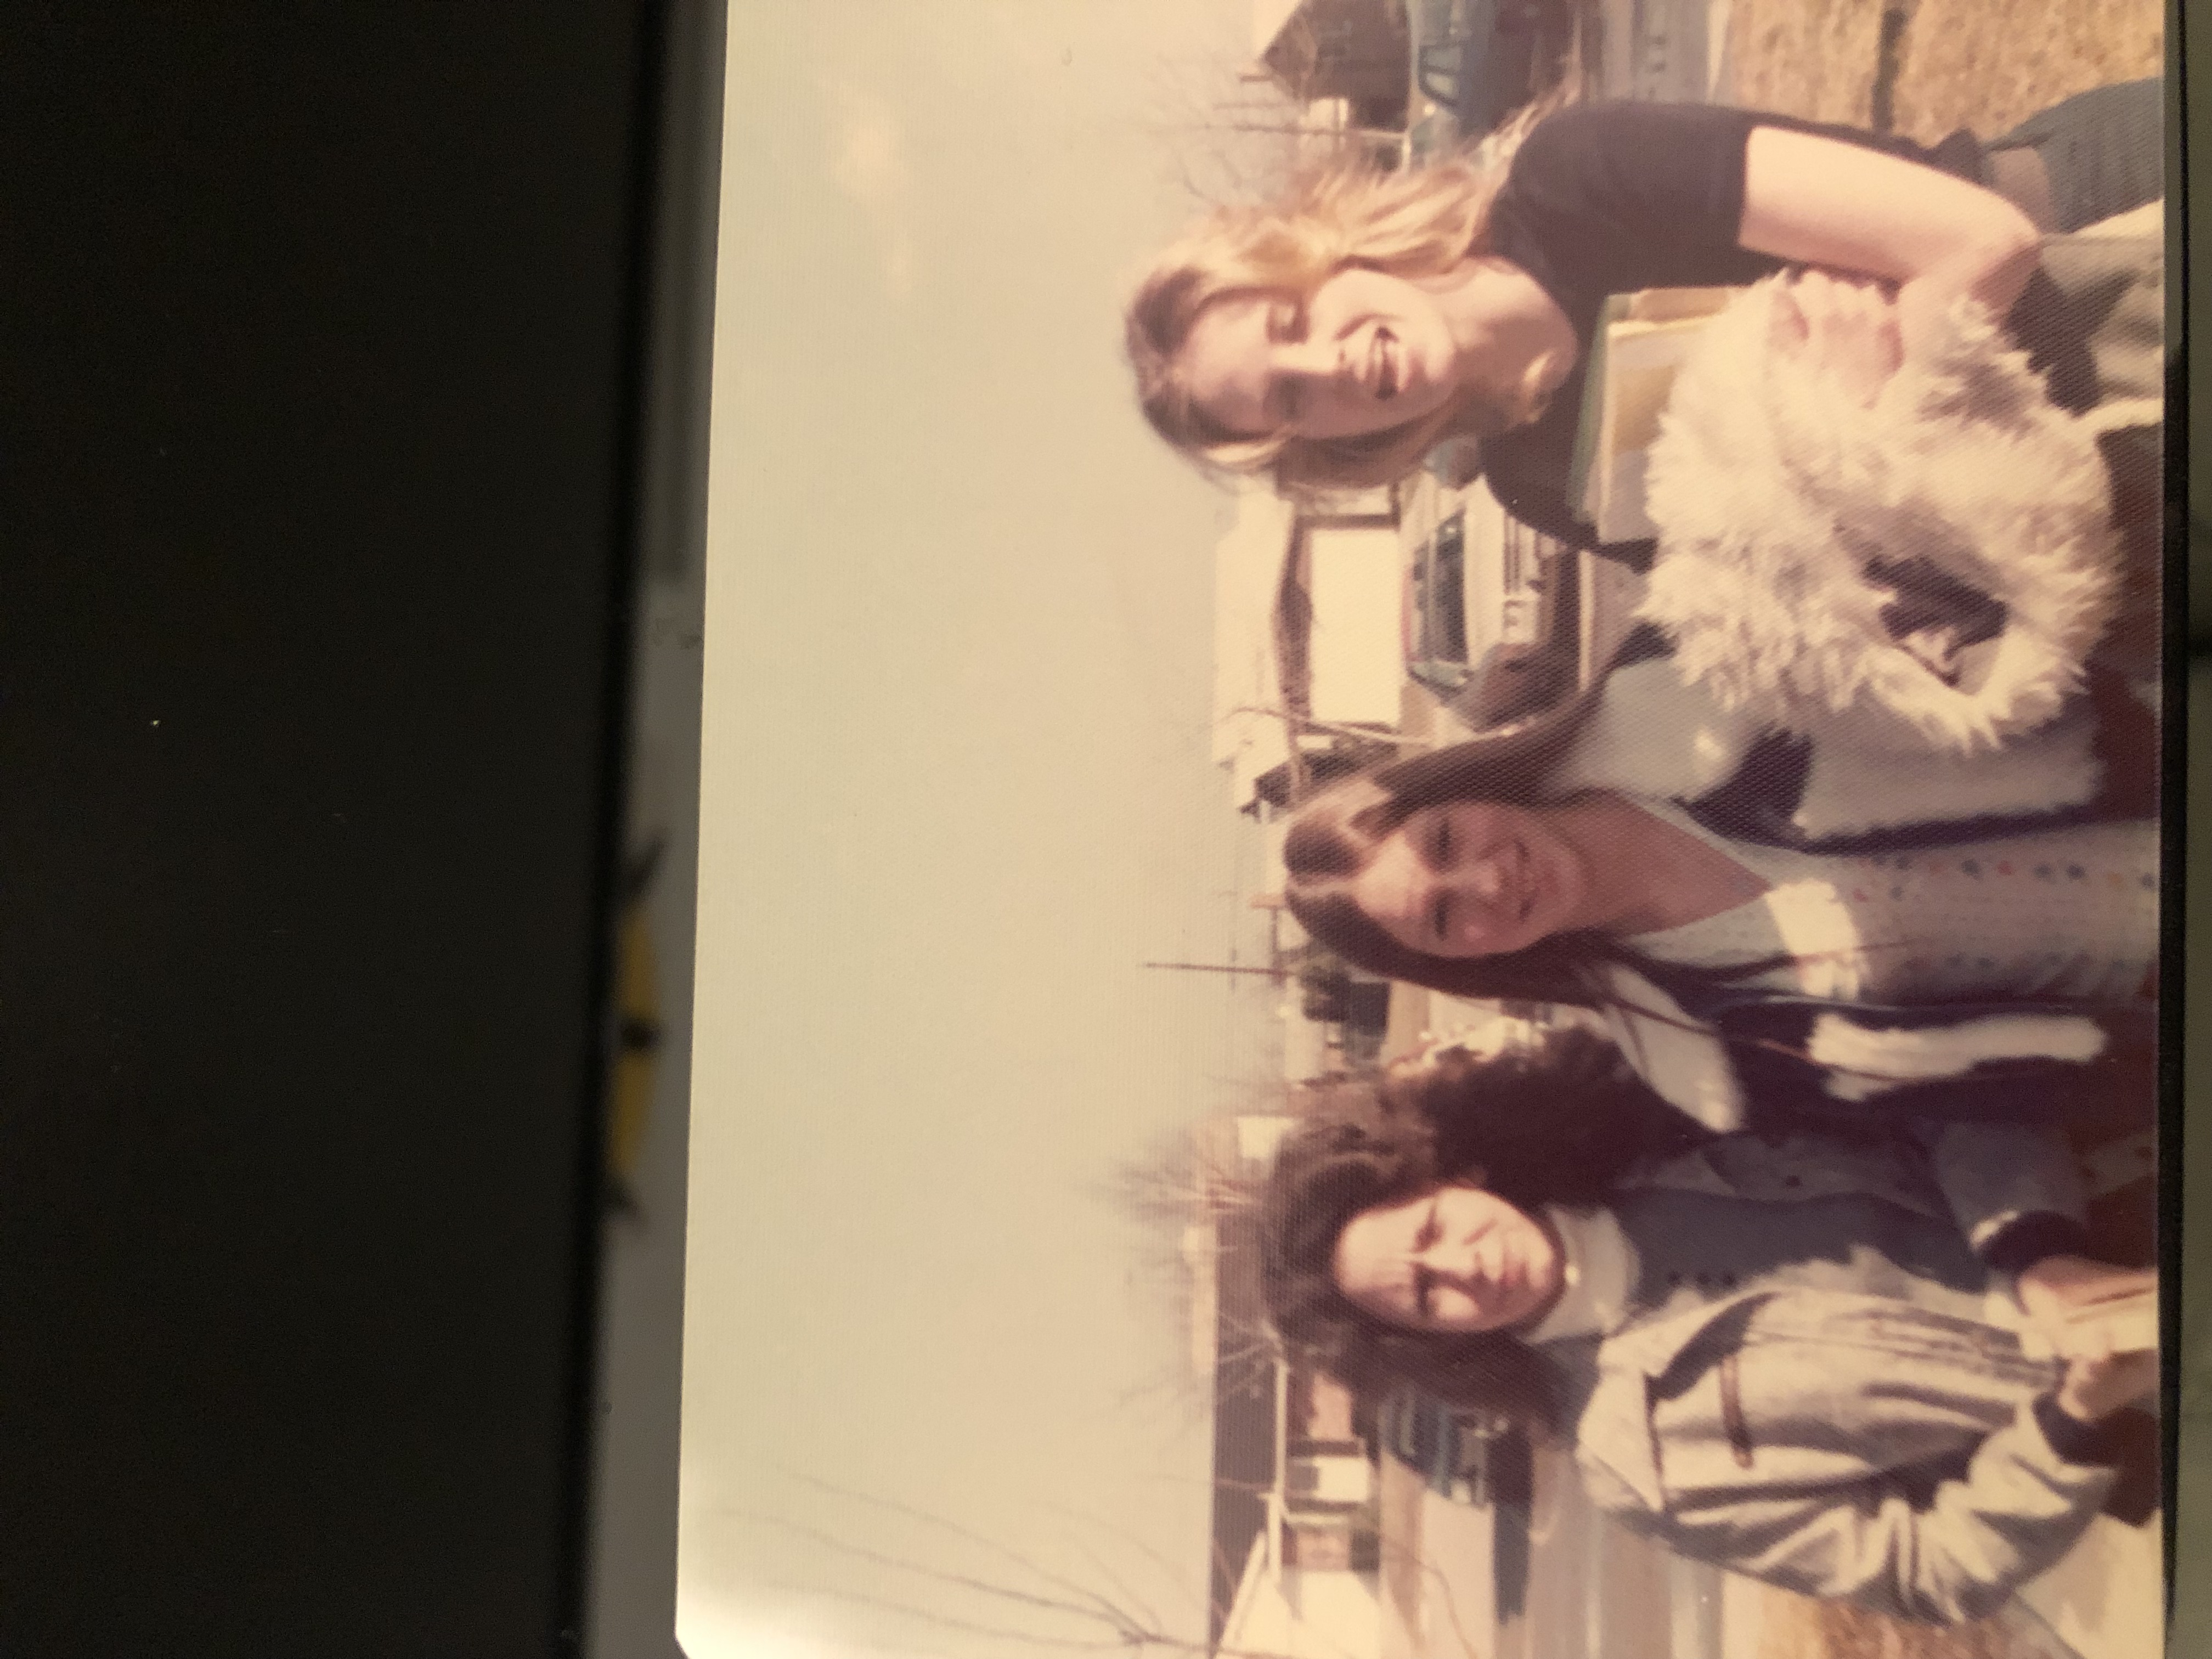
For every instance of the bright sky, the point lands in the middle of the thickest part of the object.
(956, 791)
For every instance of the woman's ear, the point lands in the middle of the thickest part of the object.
(1473, 1175)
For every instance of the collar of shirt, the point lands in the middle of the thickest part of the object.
(1599, 1265)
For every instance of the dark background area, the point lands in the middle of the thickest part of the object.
(321, 378)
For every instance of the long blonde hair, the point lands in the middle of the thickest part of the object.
(1413, 224)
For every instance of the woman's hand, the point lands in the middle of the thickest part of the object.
(2057, 1292)
(1821, 201)
(2095, 1389)
(2059, 1286)
(1841, 327)
(2097, 1381)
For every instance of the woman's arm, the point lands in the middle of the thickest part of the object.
(1998, 1175)
(1820, 201)
(1946, 1556)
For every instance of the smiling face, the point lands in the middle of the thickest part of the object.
(1453, 1259)
(1472, 878)
(1365, 353)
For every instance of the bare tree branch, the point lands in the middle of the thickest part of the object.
(967, 1533)
(1102, 1609)
(1114, 1580)
(1135, 1638)
(1208, 118)
(1143, 1546)
(1103, 1625)
(857, 1598)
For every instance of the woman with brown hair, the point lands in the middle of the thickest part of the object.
(1737, 964)
(1784, 1356)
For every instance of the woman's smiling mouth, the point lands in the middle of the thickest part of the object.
(1384, 368)
(1503, 1266)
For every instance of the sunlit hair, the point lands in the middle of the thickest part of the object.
(1415, 223)
(1557, 1124)
(1336, 837)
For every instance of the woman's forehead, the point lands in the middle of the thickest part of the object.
(1225, 361)
(1368, 1255)
(1373, 1264)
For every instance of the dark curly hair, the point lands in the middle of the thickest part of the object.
(1560, 1123)
(1557, 1125)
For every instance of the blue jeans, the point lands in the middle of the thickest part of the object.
(2104, 151)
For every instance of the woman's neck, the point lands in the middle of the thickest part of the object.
(1645, 874)
(1515, 345)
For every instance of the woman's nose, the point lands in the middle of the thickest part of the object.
(1455, 1261)
(1317, 360)
(1483, 878)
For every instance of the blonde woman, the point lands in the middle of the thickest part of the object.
(1332, 338)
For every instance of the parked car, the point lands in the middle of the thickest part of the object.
(1415, 77)
(1476, 61)
(1496, 657)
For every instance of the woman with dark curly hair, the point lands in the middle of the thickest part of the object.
(1781, 1355)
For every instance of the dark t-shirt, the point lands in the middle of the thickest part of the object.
(1610, 197)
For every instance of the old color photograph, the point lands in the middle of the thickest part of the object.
(1429, 865)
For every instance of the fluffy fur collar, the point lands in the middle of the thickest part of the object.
(1773, 491)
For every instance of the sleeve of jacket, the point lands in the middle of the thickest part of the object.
(1995, 1175)
(1945, 1556)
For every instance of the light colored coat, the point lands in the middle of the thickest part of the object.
(1819, 1384)
(1649, 730)
(1962, 462)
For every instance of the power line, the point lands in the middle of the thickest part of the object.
(1220, 968)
